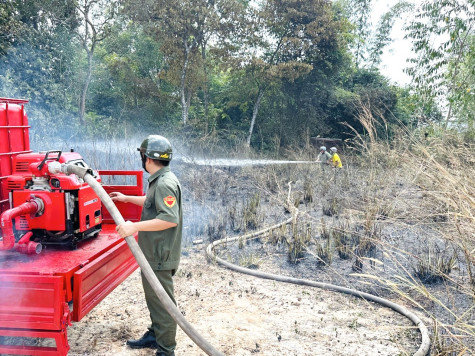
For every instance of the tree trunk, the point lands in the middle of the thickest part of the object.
(205, 88)
(447, 118)
(82, 104)
(184, 106)
(260, 94)
(188, 102)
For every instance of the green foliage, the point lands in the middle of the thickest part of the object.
(290, 39)
(358, 13)
(382, 36)
(183, 29)
(10, 26)
(442, 37)
(464, 81)
(129, 64)
(273, 74)
(39, 63)
(369, 89)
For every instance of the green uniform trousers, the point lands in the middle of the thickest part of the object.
(163, 324)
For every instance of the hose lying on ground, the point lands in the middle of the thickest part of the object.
(425, 343)
(143, 263)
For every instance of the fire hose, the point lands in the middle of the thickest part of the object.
(171, 308)
(425, 343)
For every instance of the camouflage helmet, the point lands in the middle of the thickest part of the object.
(156, 147)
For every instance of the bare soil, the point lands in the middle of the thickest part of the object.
(243, 315)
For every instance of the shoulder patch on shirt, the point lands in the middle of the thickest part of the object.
(169, 201)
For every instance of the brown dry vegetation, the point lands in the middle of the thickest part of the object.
(398, 222)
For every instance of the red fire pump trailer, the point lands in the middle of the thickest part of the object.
(59, 252)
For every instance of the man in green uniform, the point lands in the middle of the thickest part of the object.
(323, 157)
(160, 232)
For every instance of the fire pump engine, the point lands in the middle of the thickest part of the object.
(59, 252)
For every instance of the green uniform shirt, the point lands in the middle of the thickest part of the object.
(163, 201)
(324, 157)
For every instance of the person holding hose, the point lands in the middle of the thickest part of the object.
(335, 158)
(323, 157)
(159, 237)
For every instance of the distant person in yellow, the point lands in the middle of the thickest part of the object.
(335, 159)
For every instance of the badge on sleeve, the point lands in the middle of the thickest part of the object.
(169, 201)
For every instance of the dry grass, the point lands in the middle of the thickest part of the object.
(430, 193)
(400, 215)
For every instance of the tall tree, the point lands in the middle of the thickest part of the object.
(359, 14)
(225, 24)
(96, 17)
(130, 75)
(465, 96)
(38, 50)
(382, 36)
(441, 34)
(10, 26)
(184, 28)
(289, 35)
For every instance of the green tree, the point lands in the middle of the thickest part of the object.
(10, 26)
(128, 79)
(96, 17)
(225, 24)
(358, 13)
(183, 29)
(290, 35)
(368, 42)
(382, 35)
(441, 34)
(38, 62)
(362, 89)
(464, 98)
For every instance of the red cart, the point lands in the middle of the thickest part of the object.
(43, 290)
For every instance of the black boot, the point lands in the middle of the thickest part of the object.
(147, 340)
(161, 353)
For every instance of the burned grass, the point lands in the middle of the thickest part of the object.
(402, 229)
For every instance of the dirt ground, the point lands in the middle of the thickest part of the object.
(242, 315)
